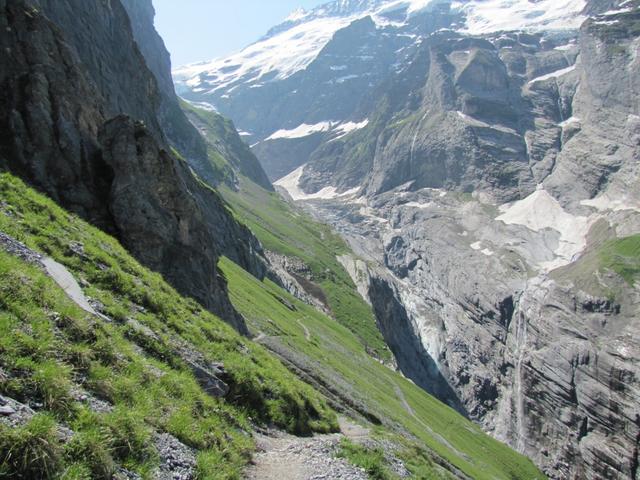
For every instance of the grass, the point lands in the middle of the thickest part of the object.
(50, 349)
(338, 358)
(623, 257)
(620, 257)
(30, 451)
(370, 459)
(289, 231)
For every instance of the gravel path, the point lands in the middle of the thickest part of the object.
(285, 457)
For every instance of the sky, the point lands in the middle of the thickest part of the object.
(198, 30)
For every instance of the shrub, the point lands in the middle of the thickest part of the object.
(32, 451)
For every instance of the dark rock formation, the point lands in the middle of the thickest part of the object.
(66, 68)
(51, 113)
(400, 334)
(177, 128)
(172, 222)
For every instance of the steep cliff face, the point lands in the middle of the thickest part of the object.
(99, 35)
(69, 67)
(170, 221)
(48, 135)
(456, 118)
(177, 128)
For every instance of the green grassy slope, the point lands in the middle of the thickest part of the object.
(336, 353)
(229, 155)
(289, 231)
(50, 349)
(337, 356)
(605, 255)
(623, 257)
(286, 230)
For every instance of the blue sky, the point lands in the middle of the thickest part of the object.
(196, 30)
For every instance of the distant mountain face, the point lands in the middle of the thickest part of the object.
(482, 156)
(317, 76)
(322, 52)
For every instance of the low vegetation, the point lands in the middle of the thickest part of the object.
(608, 266)
(429, 433)
(104, 387)
(286, 230)
(372, 460)
(623, 257)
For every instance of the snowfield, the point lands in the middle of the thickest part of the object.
(474, 122)
(304, 130)
(540, 211)
(346, 128)
(488, 16)
(285, 53)
(556, 74)
(291, 183)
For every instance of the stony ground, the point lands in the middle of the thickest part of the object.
(285, 457)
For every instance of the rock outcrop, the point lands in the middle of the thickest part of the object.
(170, 220)
(225, 143)
(175, 126)
(67, 69)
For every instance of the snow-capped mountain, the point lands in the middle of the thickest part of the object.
(291, 46)
(288, 47)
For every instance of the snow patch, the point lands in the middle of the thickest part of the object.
(346, 78)
(556, 74)
(303, 130)
(617, 12)
(540, 211)
(291, 183)
(569, 121)
(346, 128)
(485, 251)
(564, 48)
(618, 203)
(474, 122)
(419, 205)
(606, 22)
